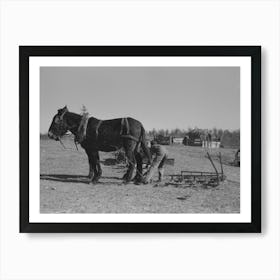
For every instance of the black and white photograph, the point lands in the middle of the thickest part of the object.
(139, 139)
(133, 135)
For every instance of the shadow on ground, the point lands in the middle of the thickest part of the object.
(69, 178)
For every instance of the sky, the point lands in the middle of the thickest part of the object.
(159, 97)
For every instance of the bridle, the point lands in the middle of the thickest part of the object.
(62, 124)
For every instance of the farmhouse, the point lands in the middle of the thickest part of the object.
(193, 138)
(197, 137)
(177, 140)
(163, 140)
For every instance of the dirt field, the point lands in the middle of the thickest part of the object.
(64, 186)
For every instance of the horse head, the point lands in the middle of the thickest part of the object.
(59, 125)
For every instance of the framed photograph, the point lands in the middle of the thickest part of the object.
(140, 139)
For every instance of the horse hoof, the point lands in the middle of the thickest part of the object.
(93, 183)
(137, 183)
(125, 182)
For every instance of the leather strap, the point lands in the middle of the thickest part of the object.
(82, 129)
(130, 137)
(97, 127)
(124, 124)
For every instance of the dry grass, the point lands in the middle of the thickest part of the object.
(64, 186)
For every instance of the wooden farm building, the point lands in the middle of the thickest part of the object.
(193, 138)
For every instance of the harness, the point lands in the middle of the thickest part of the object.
(97, 127)
(125, 127)
(82, 129)
(62, 115)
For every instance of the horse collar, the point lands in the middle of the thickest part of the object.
(82, 129)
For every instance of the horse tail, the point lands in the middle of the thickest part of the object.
(144, 146)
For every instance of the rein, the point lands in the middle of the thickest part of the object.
(76, 145)
(62, 143)
(74, 138)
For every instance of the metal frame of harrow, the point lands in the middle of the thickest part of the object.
(191, 178)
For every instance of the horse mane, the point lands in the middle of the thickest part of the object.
(73, 120)
(73, 116)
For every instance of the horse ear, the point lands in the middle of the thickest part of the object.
(63, 110)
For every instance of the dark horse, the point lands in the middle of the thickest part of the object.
(103, 135)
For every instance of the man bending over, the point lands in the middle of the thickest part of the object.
(159, 155)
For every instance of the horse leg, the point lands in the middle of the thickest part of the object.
(139, 162)
(127, 171)
(90, 173)
(96, 167)
(91, 163)
(131, 160)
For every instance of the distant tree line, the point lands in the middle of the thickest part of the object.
(177, 132)
(228, 138)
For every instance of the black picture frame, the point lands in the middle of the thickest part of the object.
(25, 52)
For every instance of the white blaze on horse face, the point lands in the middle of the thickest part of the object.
(52, 135)
(55, 127)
